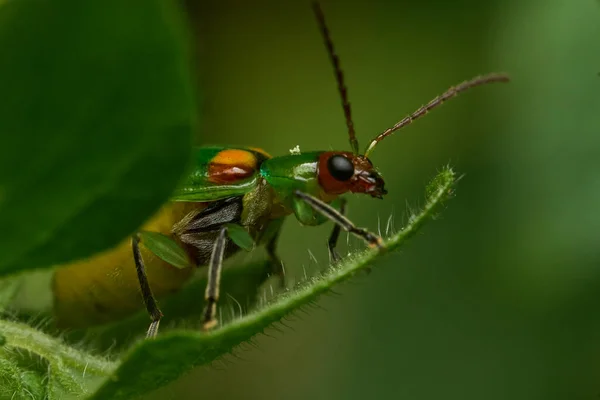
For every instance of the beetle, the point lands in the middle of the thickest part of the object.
(232, 197)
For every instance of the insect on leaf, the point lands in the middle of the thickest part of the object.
(174, 353)
(165, 248)
(240, 236)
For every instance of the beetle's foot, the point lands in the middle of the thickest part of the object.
(209, 325)
(334, 256)
(153, 328)
(373, 240)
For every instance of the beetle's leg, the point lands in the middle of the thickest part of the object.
(149, 300)
(274, 260)
(335, 234)
(331, 213)
(211, 296)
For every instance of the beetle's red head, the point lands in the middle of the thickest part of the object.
(343, 171)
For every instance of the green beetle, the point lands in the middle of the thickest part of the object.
(233, 198)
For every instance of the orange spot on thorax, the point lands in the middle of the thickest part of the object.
(231, 165)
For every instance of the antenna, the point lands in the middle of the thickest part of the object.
(438, 101)
(339, 75)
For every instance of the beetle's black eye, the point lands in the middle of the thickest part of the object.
(340, 167)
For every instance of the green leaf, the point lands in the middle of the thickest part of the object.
(165, 248)
(172, 354)
(66, 368)
(96, 115)
(240, 236)
(16, 382)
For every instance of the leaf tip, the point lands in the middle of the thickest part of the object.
(441, 186)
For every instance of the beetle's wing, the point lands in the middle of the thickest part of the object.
(208, 191)
(220, 172)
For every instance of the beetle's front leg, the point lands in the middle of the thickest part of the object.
(214, 279)
(338, 218)
(149, 300)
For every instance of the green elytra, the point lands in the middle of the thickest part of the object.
(248, 207)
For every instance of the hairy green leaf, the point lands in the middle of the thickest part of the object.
(96, 116)
(17, 382)
(67, 368)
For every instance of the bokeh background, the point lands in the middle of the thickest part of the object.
(498, 299)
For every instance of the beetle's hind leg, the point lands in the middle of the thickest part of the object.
(149, 300)
(211, 295)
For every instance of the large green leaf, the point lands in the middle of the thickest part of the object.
(96, 115)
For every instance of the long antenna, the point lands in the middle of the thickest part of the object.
(450, 93)
(339, 75)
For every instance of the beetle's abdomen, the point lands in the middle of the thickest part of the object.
(105, 287)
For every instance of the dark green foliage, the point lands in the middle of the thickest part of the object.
(96, 116)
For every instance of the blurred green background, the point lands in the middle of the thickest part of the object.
(498, 299)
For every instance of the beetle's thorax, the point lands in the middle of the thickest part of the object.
(289, 173)
(323, 174)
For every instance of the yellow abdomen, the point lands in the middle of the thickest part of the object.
(105, 287)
